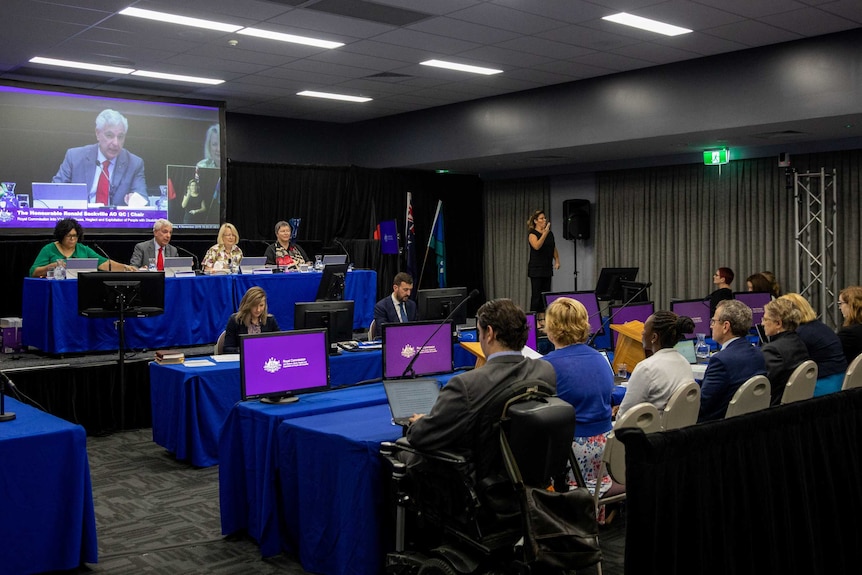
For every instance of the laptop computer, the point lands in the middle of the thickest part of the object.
(686, 348)
(74, 266)
(178, 265)
(60, 196)
(409, 396)
(334, 259)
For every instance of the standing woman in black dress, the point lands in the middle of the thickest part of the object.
(544, 258)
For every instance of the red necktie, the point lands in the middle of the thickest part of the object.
(160, 261)
(104, 184)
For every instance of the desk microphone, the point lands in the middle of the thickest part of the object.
(4, 415)
(196, 264)
(347, 253)
(409, 368)
(104, 253)
(643, 288)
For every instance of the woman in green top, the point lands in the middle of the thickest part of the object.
(68, 233)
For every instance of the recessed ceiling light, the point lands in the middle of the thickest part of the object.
(256, 32)
(330, 96)
(177, 77)
(461, 67)
(182, 20)
(81, 65)
(646, 24)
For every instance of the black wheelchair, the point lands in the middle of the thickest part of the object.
(520, 518)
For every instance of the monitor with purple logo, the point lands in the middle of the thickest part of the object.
(277, 367)
(697, 310)
(532, 334)
(589, 301)
(621, 314)
(756, 300)
(402, 341)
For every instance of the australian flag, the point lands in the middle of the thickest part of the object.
(410, 234)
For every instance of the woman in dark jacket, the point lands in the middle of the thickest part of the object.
(249, 319)
(823, 346)
(785, 350)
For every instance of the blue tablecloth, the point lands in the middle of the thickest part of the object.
(332, 489)
(47, 521)
(196, 310)
(248, 459)
(190, 404)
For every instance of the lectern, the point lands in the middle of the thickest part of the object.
(630, 349)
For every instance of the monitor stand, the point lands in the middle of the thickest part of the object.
(280, 399)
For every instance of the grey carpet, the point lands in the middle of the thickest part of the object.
(157, 515)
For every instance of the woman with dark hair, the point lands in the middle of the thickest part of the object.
(284, 253)
(721, 279)
(250, 318)
(194, 203)
(758, 283)
(850, 334)
(785, 350)
(774, 286)
(544, 258)
(656, 378)
(68, 234)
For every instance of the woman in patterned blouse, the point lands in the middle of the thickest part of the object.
(219, 257)
(284, 253)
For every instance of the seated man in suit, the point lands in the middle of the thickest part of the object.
(465, 414)
(162, 231)
(398, 307)
(737, 361)
(114, 176)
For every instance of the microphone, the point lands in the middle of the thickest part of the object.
(103, 252)
(196, 263)
(409, 368)
(4, 415)
(621, 308)
(347, 253)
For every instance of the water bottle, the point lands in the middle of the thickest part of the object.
(232, 267)
(701, 348)
(60, 270)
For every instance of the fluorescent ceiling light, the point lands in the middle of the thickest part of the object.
(461, 67)
(177, 77)
(81, 65)
(646, 24)
(329, 96)
(257, 33)
(183, 20)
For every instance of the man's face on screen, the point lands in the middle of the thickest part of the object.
(111, 140)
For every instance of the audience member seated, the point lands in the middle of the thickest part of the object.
(823, 346)
(225, 254)
(785, 350)
(397, 307)
(850, 334)
(251, 318)
(721, 279)
(758, 283)
(284, 253)
(775, 287)
(150, 249)
(68, 234)
(737, 361)
(466, 412)
(584, 380)
(658, 376)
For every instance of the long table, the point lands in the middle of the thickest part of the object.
(48, 521)
(196, 310)
(331, 487)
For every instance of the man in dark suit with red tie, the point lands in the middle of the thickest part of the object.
(398, 307)
(162, 231)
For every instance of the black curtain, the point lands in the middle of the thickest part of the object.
(776, 491)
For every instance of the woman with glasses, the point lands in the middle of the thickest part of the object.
(850, 334)
(225, 255)
(785, 350)
(68, 234)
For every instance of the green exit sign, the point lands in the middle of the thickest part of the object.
(716, 157)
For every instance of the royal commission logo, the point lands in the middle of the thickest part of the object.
(271, 365)
(408, 351)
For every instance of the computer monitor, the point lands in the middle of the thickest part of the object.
(532, 334)
(589, 301)
(334, 316)
(697, 310)
(100, 294)
(756, 300)
(331, 286)
(438, 304)
(620, 314)
(401, 341)
(609, 286)
(277, 367)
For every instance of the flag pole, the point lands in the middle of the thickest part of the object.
(428, 247)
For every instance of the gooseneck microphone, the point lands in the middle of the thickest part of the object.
(643, 288)
(104, 253)
(195, 260)
(409, 368)
(5, 415)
